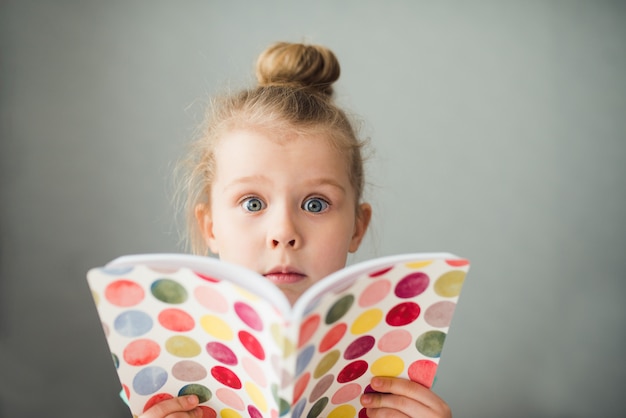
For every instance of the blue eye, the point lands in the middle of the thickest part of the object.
(253, 204)
(315, 205)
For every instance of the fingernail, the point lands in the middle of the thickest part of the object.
(193, 400)
(366, 399)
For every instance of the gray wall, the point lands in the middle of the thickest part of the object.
(499, 134)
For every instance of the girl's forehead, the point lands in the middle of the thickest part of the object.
(252, 152)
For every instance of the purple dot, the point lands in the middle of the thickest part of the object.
(412, 285)
(359, 347)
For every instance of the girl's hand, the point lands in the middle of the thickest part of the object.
(180, 407)
(403, 398)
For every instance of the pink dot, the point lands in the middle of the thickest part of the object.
(252, 344)
(332, 337)
(412, 285)
(321, 387)
(176, 320)
(141, 352)
(253, 369)
(230, 398)
(308, 328)
(402, 314)
(352, 371)
(221, 353)
(124, 293)
(423, 372)
(394, 341)
(346, 393)
(249, 316)
(374, 293)
(440, 314)
(211, 299)
(188, 371)
(226, 377)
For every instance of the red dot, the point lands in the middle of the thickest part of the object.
(252, 344)
(300, 386)
(207, 278)
(176, 320)
(208, 412)
(402, 314)
(457, 262)
(380, 272)
(124, 293)
(159, 397)
(308, 328)
(352, 371)
(423, 372)
(141, 352)
(226, 377)
(332, 337)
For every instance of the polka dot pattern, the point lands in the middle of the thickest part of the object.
(175, 331)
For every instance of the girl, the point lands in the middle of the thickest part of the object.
(275, 184)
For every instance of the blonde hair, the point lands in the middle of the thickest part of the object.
(294, 94)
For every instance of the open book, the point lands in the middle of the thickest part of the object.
(181, 324)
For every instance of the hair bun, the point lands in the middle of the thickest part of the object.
(298, 65)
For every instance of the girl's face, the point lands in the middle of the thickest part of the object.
(283, 208)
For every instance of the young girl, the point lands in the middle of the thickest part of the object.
(275, 185)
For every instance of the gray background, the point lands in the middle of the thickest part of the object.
(498, 130)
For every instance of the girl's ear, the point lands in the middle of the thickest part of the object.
(205, 224)
(363, 217)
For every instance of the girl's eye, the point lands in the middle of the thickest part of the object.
(315, 205)
(253, 204)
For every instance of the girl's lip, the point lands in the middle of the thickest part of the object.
(282, 275)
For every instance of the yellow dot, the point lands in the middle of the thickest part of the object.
(450, 283)
(216, 327)
(419, 264)
(366, 321)
(182, 346)
(246, 294)
(229, 413)
(343, 411)
(286, 345)
(256, 395)
(96, 297)
(390, 366)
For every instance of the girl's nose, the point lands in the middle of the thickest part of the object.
(283, 232)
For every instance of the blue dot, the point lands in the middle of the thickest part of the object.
(304, 358)
(132, 323)
(149, 380)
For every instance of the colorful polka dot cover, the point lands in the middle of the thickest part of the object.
(181, 324)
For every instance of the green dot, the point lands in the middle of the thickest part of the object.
(339, 309)
(317, 409)
(168, 291)
(430, 343)
(202, 392)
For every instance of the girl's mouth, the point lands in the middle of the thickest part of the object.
(284, 276)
